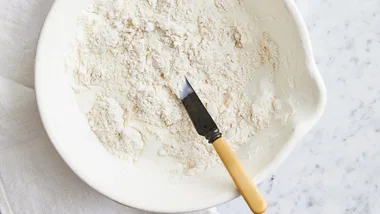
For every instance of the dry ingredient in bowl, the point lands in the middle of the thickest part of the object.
(136, 54)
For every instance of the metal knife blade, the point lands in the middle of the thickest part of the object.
(201, 119)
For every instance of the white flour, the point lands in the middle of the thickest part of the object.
(107, 120)
(138, 52)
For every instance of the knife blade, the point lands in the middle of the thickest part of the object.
(199, 116)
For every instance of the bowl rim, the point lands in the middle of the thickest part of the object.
(284, 152)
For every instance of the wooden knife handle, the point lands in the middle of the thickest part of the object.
(240, 177)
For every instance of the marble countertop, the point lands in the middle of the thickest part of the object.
(336, 167)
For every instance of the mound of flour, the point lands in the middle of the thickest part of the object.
(138, 53)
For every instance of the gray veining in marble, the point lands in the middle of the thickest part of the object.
(336, 167)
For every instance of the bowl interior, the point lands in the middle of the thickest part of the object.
(146, 184)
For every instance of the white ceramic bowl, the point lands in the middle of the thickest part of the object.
(146, 185)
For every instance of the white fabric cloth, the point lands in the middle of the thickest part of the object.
(33, 177)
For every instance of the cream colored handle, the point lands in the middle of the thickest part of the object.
(240, 177)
